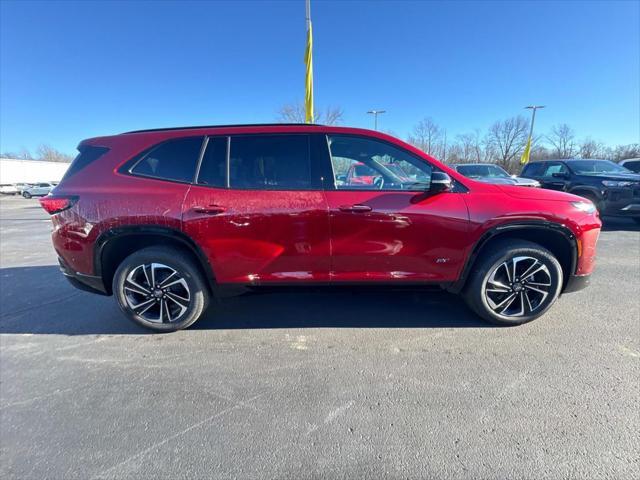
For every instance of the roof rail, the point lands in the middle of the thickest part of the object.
(225, 126)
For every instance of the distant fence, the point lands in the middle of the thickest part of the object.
(30, 171)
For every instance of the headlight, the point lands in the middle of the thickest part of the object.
(586, 207)
(614, 183)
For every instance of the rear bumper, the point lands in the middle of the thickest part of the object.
(577, 283)
(87, 283)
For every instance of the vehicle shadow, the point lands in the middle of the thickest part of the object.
(38, 300)
(618, 224)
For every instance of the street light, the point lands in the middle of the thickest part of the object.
(533, 116)
(375, 114)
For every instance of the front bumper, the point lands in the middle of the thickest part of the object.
(87, 283)
(623, 202)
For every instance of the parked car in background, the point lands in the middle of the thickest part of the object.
(21, 187)
(38, 190)
(492, 173)
(632, 164)
(166, 219)
(8, 189)
(614, 189)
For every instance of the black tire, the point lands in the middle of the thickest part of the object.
(194, 285)
(493, 260)
(26, 194)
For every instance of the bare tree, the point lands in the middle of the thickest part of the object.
(50, 154)
(506, 139)
(426, 136)
(295, 113)
(23, 154)
(590, 148)
(562, 139)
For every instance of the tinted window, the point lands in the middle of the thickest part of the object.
(633, 166)
(271, 162)
(88, 154)
(171, 160)
(368, 164)
(554, 168)
(213, 170)
(482, 171)
(596, 166)
(533, 169)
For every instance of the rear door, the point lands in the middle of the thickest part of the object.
(555, 176)
(258, 211)
(391, 229)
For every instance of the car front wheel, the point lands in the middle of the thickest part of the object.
(516, 282)
(26, 194)
(161, 289)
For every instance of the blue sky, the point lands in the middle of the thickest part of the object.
(71, 70)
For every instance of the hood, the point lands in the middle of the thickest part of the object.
(539, 194)
(629, 177)
(525, 181)
(496, 180)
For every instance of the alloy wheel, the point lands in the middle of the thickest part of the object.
(518, 287)
(157, 293)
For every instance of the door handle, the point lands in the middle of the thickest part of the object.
(355, 208)
(210, 209)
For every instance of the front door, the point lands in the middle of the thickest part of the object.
(391, 228)
(555, 176)
(258, 210)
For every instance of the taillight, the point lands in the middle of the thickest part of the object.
(58, 203)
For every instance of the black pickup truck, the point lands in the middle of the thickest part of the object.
(614, 189)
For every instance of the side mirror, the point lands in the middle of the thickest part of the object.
(560, 175)
(440, 182)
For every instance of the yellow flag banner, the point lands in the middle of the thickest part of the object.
(527, 152)
(308, 94)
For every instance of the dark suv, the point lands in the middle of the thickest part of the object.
(167, 219)
(614, 189)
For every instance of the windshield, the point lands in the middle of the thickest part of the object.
(587, 167)
(482, 171)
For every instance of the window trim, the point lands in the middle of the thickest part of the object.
(333, 173)
(130, 165)
(316, 183)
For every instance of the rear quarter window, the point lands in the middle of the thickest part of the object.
(174, 160)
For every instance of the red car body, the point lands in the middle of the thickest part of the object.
(313, 236)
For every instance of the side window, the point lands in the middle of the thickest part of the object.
(368, 164)
(554, 168)
(213, 169)
(171, 160)
(633, 166)
(533, 169)
(270, 162)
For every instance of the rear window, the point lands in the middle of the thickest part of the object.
(88, 154)
(533, 169)
(172, 160)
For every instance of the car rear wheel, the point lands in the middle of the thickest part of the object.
(161, 289)
(26, 194)
(516, 283)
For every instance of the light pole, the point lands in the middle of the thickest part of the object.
(533, 117)
(375, 114)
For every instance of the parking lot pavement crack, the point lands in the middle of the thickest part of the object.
(139, 455)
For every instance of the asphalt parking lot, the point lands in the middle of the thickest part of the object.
(315, 384)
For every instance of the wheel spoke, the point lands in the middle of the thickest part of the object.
(183, 302)
(148, 303)
(526, 296)
(163, 284)
(167, 310)
(540, 268)
(136, 287)
(504, 304)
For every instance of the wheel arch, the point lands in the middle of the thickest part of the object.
(115, 244)
(556, 238)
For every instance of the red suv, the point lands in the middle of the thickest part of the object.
(165, 219)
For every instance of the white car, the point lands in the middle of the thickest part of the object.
(8, 189)
(38, 190)
(491, 173)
